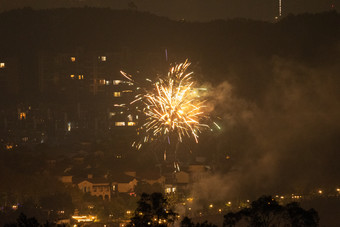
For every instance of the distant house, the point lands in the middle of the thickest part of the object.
(182, 177)
(197, 172)
(96, 187)
(182, 180)
(151, 177)
(123, 183)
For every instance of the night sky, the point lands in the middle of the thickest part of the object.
(192, 10)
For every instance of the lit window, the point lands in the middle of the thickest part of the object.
(168, 190)
(73, 59)
(80, 77)
(72, 76)
(120, 123)
(117, 94)
(69, 127)
(22, 116)
(102, 82)
(130, 117)
(102, 58)
(107, 82)
(131, 123)
(2, 65)
(128, 91)
(116, 82)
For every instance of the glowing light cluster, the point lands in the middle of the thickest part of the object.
(172, 106)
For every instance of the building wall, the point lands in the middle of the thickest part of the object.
(96, 189)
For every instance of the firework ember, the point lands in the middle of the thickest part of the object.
(173, 108)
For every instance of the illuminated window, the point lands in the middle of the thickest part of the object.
(130, 117)
(107, 82)
(102, 82)
(72, 76)
(73, 59)
(22, 116)
(102, 58)
(116, 82)
(80, 77)
(131, 123)
(168, 190)
(126, 91)
(120, 123)
(69, 127)
(2, 65)
(117, 94)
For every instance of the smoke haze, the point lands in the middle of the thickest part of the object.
(285, 141)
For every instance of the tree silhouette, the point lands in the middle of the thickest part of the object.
(186, 222)
(152, 211)
(299, 217)
(266, 212)
(23, 221)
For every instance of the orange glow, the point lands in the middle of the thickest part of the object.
(131, 123)
(120, 123)
(117, 94)
(22, 116)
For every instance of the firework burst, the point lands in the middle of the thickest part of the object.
(172, 107)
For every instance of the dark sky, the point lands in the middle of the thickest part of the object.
(193, 10)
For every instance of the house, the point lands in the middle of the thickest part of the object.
(197, 172)
(96, 187)
(123, 183)
(151, 177)
(182, 177)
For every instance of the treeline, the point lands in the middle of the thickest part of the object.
(28, 30)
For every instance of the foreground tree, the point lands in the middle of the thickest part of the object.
(152, 210)
(23, 221)
(186, 222)
(266, 212)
